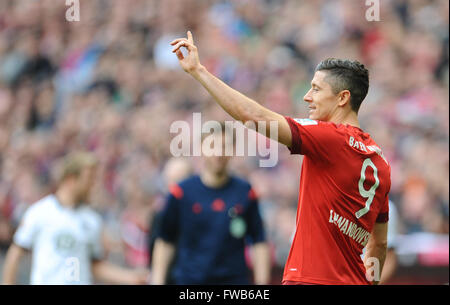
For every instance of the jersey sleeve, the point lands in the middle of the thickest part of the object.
(97, 251)
(255, 232)
(313, 138)
(169, 216)
(383, 215)
(28, 228)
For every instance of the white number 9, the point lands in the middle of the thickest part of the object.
(371, 192)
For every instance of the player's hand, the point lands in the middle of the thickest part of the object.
(191, 62)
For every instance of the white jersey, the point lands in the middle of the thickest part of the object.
(63, 242)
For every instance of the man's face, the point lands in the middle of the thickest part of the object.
(321, 99)
(84, 184)
(217, 164)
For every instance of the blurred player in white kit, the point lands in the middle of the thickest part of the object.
(64, 234)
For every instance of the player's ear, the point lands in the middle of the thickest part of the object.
(344, 98)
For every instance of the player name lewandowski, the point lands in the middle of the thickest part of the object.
(345, 178)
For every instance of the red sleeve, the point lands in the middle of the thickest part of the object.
(176, 191)
(383, 215)
(313, 138)
(296, 139)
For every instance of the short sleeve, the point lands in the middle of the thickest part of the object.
(314, 138)
(255, 225)
(97, 251)
(169, 216)
(28, 228)
(383, 215)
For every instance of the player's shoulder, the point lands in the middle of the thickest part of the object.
(312, 122)
(244, 187)
(306, 122)
(89, 211)
(189, 182)
(90, 215)
(194, 181)
(374, 148)
(240, 181)
(315, 123)
(43, 204)
(361, 142)
(41, 210)
(319, 128)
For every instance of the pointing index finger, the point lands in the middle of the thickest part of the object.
(190, 38)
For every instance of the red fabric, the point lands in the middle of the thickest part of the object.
(252, 194)
(295, 283)
(176, 191)
(329, 237)
(197, 208)
(218, 205)
(135, 238)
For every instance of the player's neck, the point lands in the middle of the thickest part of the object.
(349, 118)
(214, 180)
(65, 197)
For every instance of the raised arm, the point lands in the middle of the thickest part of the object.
(239, 106)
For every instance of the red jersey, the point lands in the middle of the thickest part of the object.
(344, 186)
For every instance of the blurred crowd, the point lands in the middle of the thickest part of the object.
(110, 84)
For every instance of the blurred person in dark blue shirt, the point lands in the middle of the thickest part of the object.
(205, 226)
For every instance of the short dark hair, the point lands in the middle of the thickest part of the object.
(344, 74)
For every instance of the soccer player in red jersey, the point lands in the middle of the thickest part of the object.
(345, 179)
